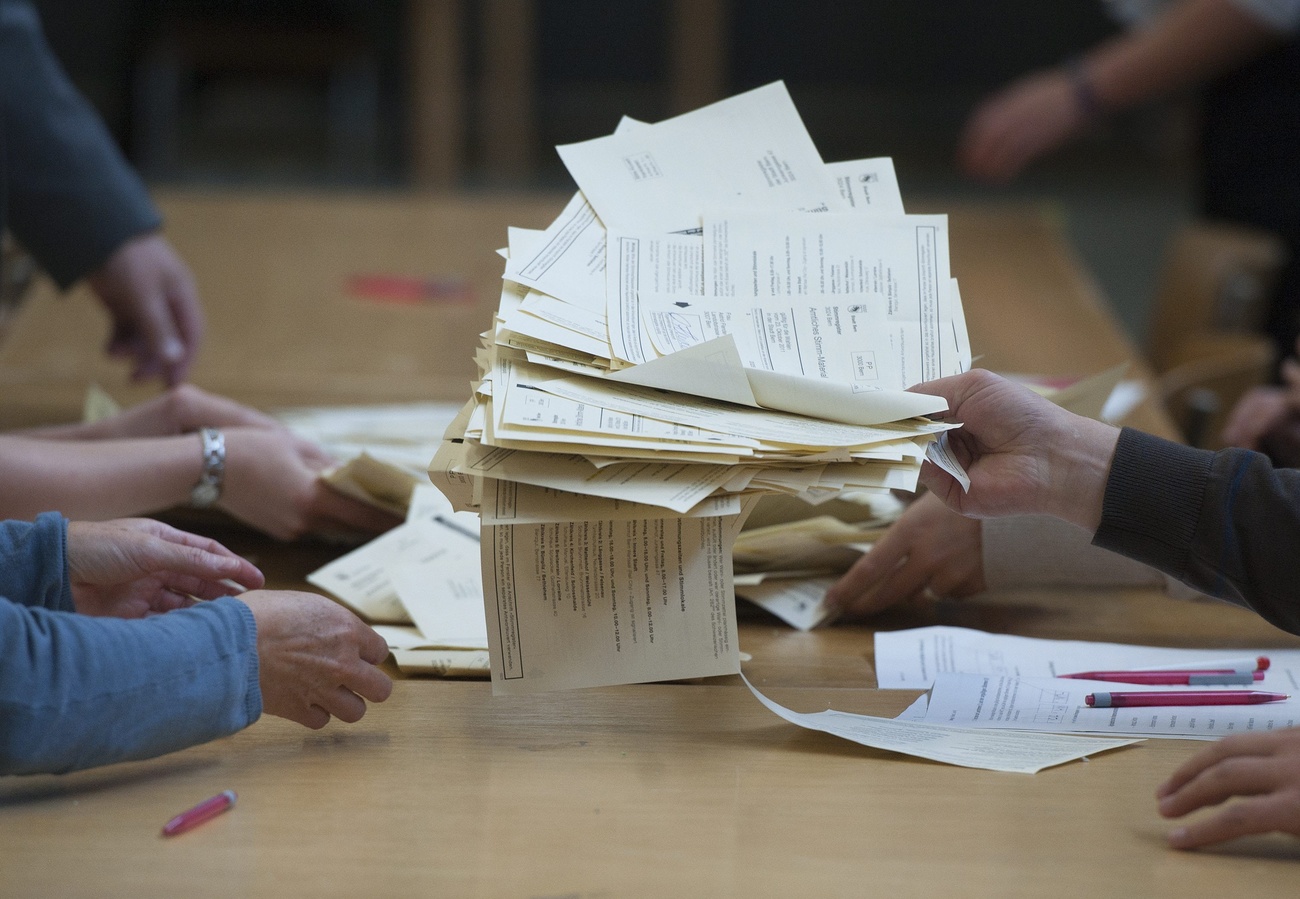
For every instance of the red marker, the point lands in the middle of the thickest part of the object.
(208, 808)
(1186, 697)
(1190, 678)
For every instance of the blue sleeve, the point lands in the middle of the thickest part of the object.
(72, 198)
(33, 565)
(77, 691)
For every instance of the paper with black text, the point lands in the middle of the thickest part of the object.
(1058, 705)
(1018, 753)
(598, 602)
(892, 264)
(868, 185)
(749, 151)
(911, 659)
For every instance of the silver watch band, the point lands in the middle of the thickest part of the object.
(208, 489)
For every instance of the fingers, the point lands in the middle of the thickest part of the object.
(1235, 776)
(854, 593)
(348, 514)
(1263, 814)
(204, 563)
(1241, 744)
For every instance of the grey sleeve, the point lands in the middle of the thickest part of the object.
(1226, 523)
(72, 198)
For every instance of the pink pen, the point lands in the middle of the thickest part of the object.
(208, 808)
(1190, 678)
(1186, 697)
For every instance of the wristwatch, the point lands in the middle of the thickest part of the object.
(208, 490)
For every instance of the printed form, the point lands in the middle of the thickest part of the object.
(1019, 753)
(912, 659)
(588, 603)
(893, 265)
(750, 151)
(1057, 705)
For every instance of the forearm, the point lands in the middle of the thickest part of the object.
(76, 692)
(33, 562)
(72, 197)
(96, 479)
(1226, 523)
(1189, 43)
(1076, 471)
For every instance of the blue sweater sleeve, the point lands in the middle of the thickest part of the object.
(72, 199)
(32, 562)
(77, 691)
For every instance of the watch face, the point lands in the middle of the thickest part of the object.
(204, 495)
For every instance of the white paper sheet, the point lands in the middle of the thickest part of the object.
(896, 265)
(748, 151)
(594, 603)
(1057, 705)
(1019, 753)
(911, 659)
(868, 185)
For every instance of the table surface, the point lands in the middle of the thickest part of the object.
(685, 788)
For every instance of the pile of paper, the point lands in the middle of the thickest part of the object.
(686, 337)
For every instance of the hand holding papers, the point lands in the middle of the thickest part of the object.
(637, 392)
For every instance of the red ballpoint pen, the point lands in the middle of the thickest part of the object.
(1190, 678)
(1186, 697)
(191, 818)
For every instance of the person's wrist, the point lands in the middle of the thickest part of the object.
(1083, 90)
(207, 490)
(1079, 471)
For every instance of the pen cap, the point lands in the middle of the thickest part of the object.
(1098, 700)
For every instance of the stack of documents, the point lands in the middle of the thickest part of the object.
(686, 337)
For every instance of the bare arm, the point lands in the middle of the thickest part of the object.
(1189, 43)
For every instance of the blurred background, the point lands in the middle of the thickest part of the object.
(472, 96)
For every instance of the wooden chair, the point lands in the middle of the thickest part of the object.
(1215, 278)
(1206, 375)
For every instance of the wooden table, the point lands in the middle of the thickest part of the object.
(668, 789)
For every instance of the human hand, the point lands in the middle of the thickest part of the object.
(181, 410)
(1015, 126)
(1024, 455)
(1259, 410)
(1267, 412)
(132, 567)
(272, 483)
(1264, 766)
(315, 658)
(929, 549)
(151, 295)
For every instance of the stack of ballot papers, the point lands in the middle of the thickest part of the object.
(715, 316)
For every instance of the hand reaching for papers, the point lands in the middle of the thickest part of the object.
(132, 567)
(272, 484)
(1267, 419)
(1024, 454)
(316, 659)
(146, 459)
(1262, 766)
(929, 550)
(1020, 123)
(182, 409)
(157, 320)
